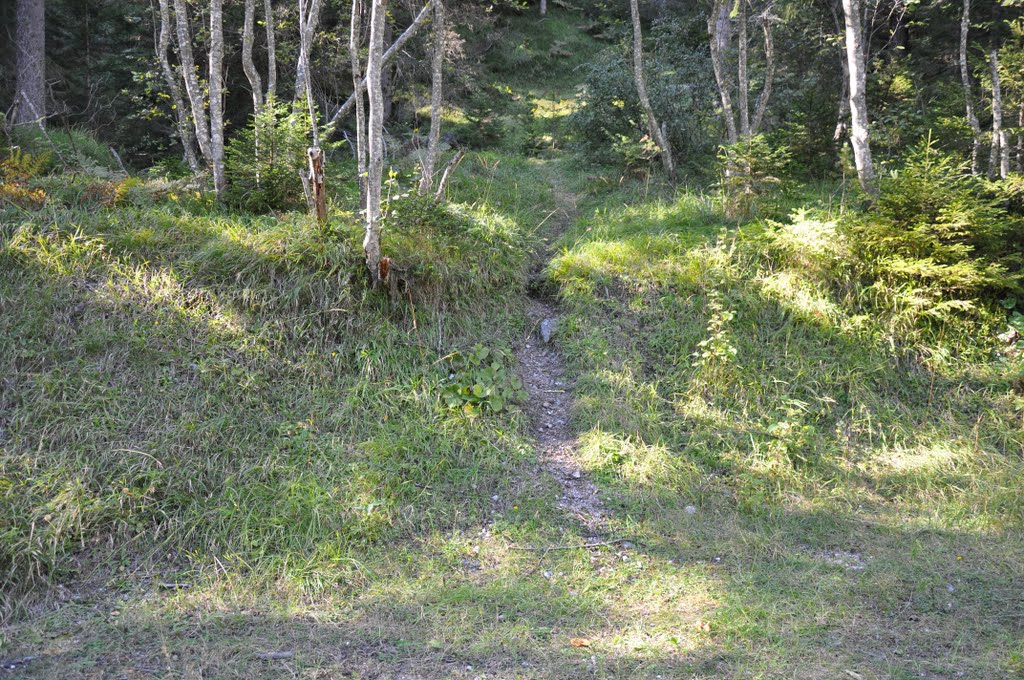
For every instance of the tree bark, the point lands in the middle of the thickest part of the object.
(965, 78)
(196, 96)
(375, 169)
(268, 17)
(1020, 137)
(999, 157)
(309, 19)
(355, 42)
(181, 112)
(843, 117)
(769, 73)
(543, 7)
(391, 53)
(216, 85)
(248, 65)
(436, 100)
(720, 32)
(742, 78)
(30, 44)
(640, 81)
(857, 61)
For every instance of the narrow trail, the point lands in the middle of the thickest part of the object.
(542, 370)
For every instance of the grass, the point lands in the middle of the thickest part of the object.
(216, 444)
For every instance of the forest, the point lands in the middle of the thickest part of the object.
(512, 339)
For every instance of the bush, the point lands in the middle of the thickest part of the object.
(264, 159)
(938, 246)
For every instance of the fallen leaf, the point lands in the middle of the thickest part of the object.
(702, 626)
(579, 642)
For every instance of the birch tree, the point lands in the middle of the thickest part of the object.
(720, 31)
(856, 59)
(640, 80)
(209, 130)
(355, 42)
(182, 116)
(999, 157)
(248, 65)
(375, 135)
(360, 88)
(30, 45)
(965, 78)
(436, 99)
(309, 19)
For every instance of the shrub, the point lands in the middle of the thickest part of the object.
(752, 172)
(264, 159)
(937, 247)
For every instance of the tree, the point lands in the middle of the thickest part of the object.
(999, 158)
(436, 99)
(965, 78)
(640, 81)
(30, 87)
(720, 32)
(856, 59)
(182, 117)
(375, 138)
(355, 42)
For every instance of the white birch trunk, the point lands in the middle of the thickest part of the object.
(436, 100)
(248, 65)
(391, 53)
(640, 81)
(216, 85)
(196, 95)
(375, 133)
(769, 73)
(720, 32)
(355, 41)
(965, 78)
(999, 157)
(309, 20)
(543, 7)
(268, 18)
(182, 116)
(857, 61)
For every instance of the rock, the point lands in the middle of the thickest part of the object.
(1008, 338)
(690, 510)
(548, 328)
(575, 474)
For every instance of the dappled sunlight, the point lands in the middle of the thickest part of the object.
(801, 297)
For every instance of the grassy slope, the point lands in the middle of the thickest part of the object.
(199, 398)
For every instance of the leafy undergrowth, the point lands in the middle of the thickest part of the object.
(832, 500)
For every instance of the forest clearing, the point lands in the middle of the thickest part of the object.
(347, 338)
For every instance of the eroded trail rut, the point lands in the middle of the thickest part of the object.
(542, 370)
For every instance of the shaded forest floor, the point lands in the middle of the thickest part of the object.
(222, 458)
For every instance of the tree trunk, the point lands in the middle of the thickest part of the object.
(181, 111)
(857, 61)
(196, 95)
(386, 74)
(216, 85)
(641, 89)
(268, 17)
(393, 51)
(436, 100)
(965, 78)
(999, 157)
(30, 86)
(309, 19)
(720, 32)
(1020, 137)
(248, 65)
(355, 41)
(375, 169)
(843, 117)
(543, 7)
(769, 74)
(318, 189)
(742, 79)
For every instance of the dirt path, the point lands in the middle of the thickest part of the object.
(542, 370)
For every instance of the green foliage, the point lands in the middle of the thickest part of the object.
(937, 247)
(16, 171)
(752, 172)
(263, 160)
(481, 380)
(636, 155)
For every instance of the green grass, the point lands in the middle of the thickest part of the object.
(195, 397)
